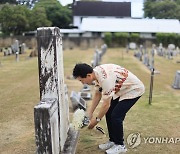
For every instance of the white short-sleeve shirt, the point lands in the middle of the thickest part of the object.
(116, 81)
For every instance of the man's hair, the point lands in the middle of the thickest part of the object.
(81, 70)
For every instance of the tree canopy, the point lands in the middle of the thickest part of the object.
(16, 19)
(59, 16)
(165, 9)
(13, 19)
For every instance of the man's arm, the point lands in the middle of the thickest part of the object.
(104, 108)
(95, 102)
(102, 111)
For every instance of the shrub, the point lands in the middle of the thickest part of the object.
(108, 38)
(121, 38)
(168, 38)
(135, 37)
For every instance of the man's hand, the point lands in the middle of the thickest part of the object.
(93, 122)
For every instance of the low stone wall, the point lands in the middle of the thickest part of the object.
(68, 43)
(30, 41)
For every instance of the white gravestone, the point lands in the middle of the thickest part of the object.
(132, 45)
(47, 126)
(51, 74)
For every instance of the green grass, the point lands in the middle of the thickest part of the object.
(19, 93)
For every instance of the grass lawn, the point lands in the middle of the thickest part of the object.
(19, 93)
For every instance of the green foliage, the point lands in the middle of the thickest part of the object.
(166, 9)
(121, 38)
(59, 16)
(135, 37)
(108, 38)
(168, 38)
(38, 18)
(178, 40)
(14, 19)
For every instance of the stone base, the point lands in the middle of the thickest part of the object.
(71, 142)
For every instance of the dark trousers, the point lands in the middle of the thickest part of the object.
(115, 117)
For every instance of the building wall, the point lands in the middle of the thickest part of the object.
(77, 21)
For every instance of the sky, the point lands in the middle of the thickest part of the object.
(136, 6)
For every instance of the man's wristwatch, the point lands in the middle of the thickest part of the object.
(98, 119)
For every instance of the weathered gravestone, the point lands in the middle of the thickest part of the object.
(176, 84)
(86, 87)
(16, 46)
(160, 50)
(52, 113)
(22, 48)
(146, 59)
(103, 49)
(85, 95)
(96, 59)
(77, 101)
(17, 56)
(132, 45)
(47, 126)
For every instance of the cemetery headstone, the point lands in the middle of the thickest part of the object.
(16, 46)
(51, 81)
(5, 52)
(132, 45)
(47, 132)
(176, 84)
(74, 97)
(9, 50)
(85, 95)
(17, 56)
(160, 49)
(171, 46)
(77, 101)
(23, 46)
(103, 49)
(86, 87)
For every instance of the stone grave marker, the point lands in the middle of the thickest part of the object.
(103, 49)
(86, 87)
(16, 46)
(132, 45)
(22, 48)
(51, 82)
(77, 101)
(47, 132)
(85, 95)
(176, 84)
(17, 56)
